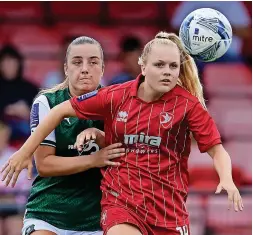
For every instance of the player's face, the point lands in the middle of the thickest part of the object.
(162, 67)
(84, 67)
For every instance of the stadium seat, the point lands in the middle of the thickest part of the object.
(237, 124)
(145, 33)
(108, 37)
(32, 39)
(241, 155)
(196, 211)
(219, 105)
(228, 113)
(198, 159)
(21, 11)
(133, 11)
(228, 79)
(36, 70)
(227, 222)
(77, 10)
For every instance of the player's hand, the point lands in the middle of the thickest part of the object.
(234, 197)
(90, 134)
(105, 156)
(12, 168)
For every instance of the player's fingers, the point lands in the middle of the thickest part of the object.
(230, 200)
(239, 201)
(112, 146)
(15, 178)
(6, 172)
(112, 156)
(80, 142)
(235, 201)
(9, 177)
(117, 150)
(5, 166)
(88, 136)
(93, 135)
(110, 163)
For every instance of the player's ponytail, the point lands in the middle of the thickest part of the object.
(188, 77)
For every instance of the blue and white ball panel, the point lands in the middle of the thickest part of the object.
(39, 111)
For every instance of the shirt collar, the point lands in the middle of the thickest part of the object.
(140, 79)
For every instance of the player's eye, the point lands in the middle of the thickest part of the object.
(93, 62)
(174, 65)
(159, 64)
(77, 62)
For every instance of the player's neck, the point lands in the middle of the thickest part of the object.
(147, 94)
(74, 92)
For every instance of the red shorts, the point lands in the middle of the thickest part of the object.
(117, 215)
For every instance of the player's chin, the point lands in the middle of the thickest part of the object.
(87, 87)
(164, 88)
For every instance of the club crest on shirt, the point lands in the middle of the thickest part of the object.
(87, 96)
(165, 119)
(122, 116)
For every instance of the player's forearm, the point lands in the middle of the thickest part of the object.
(222, 163)
(53, 165)
(50, 122)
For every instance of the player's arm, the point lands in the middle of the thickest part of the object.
(208, 138)
(88, 106)
(49, 165)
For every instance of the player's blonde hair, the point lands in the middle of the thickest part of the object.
(78, 41)
(188, 77)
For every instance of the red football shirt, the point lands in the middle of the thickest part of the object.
(152, 179)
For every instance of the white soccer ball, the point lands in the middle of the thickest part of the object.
(206, 34)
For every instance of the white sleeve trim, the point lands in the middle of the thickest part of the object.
(40, 110)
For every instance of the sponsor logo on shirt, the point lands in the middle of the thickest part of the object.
(142, 144)
(143, 139)
(104, 217)
(68, 121)
(165, 119)
(87, 96)
(91, 145)
(122, 116)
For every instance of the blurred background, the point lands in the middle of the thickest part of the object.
(33, 41)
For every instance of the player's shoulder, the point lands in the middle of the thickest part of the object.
(41, 98)
(183, 93)
(120, 87)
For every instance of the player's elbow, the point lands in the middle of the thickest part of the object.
(42, 170)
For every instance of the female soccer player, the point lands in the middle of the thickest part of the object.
(65, 197)
(153, 116)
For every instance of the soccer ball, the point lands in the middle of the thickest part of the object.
(206, 34)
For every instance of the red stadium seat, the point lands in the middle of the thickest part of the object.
(237, 124)
(31, 39)
(241, 155)
(108, 37)
(145, 33)
(224, 221)
(133, 10)
(228, 79)
(220, 107)
(21, 10)
(76, 10)
(36, 70)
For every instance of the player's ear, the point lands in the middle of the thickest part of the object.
(143, 70)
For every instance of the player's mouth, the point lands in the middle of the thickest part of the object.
(165, 81)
